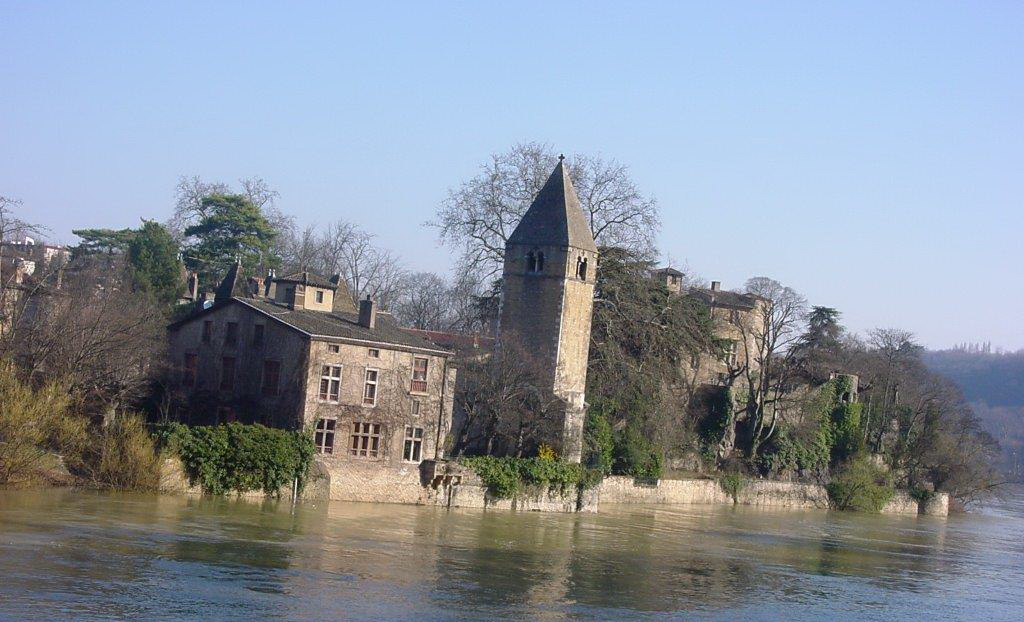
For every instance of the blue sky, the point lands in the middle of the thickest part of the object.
(868, 154)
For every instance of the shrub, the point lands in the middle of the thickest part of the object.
(732, 484)
(33, 423)
(124, 456)
(241, 458)
(599, 441)
(507, 477)
(861, 486)
(635, 455)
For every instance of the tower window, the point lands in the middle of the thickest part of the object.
(581, 268)
(540, 262)
(531, 262)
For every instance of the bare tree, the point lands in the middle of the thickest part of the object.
(12, 296)
(769, 346)
(95, 335)
(480, 215)
(502, 407)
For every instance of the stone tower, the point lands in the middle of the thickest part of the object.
(548, 298)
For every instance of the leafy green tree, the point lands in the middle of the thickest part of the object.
(231, 229)
(153, 262)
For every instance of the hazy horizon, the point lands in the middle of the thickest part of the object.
(868, 156)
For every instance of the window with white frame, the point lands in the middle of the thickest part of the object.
(330, 383)
(370, 388)
(324, 437)
(413, 444)
(419, 375)
(365, 440)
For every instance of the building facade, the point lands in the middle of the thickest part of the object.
(547, 301)
(284, 353)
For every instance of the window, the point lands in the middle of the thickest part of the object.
(330, 383)
(535, 261)
(729, 357)
(324, 437)
(370, 388)
(734, 316)
(271, 377)
(413, 444)
(365, 440)
(231, 336)
(257, 335)
(320, 296)
(373, 353)
(188, 370)
(333, 348)
(415, 408)
(419, 375)
(207, 331)
(581, 268)
(227, 373)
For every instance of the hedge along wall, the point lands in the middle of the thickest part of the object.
(240, 458)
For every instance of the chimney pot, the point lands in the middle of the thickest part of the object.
(368, 313)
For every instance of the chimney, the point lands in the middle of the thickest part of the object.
(268, 284)
(193, 286)
(367, 313)
(716, 286)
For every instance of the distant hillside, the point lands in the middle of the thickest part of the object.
(993, 382)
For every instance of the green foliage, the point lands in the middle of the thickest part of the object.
(861, 486)
(642, 335)
(732, 484)
(153, 263)
(835, 437)
(231, 228)
(598, 440)
(636, 455)
(712, 427)
(507, 477)
(108, 241)
(241, 458)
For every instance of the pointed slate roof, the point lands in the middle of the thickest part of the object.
(555, 217)
(234, 284)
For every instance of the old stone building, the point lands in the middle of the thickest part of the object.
(737, 320)
(295, 353)
(547, 300)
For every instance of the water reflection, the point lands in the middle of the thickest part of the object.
(85, 555)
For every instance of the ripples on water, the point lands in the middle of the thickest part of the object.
(99, 556)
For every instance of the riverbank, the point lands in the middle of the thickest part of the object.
(451, 485)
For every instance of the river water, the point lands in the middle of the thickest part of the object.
(108, 556)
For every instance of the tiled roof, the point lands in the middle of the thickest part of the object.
(668, 271)
(456, 341)
(720, 298)
(555, 217)
(341, 325)
(307, 278)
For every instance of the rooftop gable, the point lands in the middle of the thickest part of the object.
(555, 217)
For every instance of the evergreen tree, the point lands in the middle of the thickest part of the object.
(153, 262)
(231, 229)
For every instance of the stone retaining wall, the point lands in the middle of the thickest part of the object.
(451, 485)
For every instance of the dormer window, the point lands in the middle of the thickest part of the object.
(535, 262)
(581, 268)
